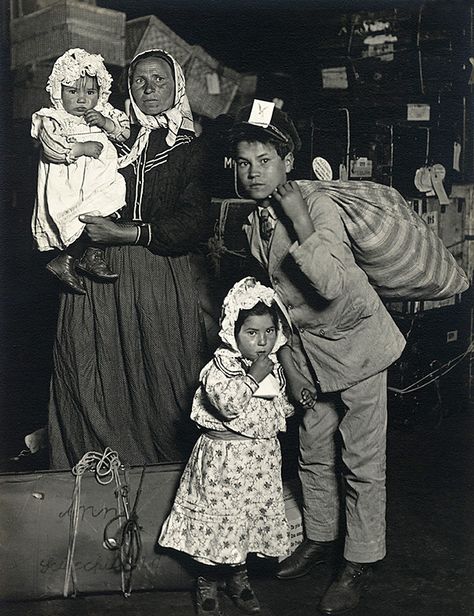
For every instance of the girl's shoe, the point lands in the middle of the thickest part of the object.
(63, 268)
(207, 601)
(93, 263)
(239, 590)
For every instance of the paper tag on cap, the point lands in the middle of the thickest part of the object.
(261, 113)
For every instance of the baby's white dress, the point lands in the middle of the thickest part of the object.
(69, 187)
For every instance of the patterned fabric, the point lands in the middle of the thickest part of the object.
(401, 256)
(266, 225)
(229, 502)
(179, 117)
(226, 400)
(345, 331)
(230, 498)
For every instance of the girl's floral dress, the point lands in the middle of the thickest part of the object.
(230, 499)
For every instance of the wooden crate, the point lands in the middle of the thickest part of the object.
(465, 193)
(447, 221)
(151, 33)
(48, 33)
(29, 90)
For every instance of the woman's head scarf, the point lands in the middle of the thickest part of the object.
(177, 117)
(244, 295)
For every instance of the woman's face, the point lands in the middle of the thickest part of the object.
(152, 85)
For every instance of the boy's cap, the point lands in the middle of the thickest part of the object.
(279, 125)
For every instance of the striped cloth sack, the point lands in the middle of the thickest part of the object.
(400, 254)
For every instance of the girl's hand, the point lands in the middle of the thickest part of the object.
(102, 230)
(91, 148)
(95, 118)
(261, 368)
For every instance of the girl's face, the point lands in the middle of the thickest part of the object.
(260, 169)
(256, 336)
(80, 97)
(152, 85)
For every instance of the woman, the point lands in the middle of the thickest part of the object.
(127, 356)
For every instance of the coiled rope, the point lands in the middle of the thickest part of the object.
(106, 467)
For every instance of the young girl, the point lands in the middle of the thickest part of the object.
(230, 500)
(77, 172)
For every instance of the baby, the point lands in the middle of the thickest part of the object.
(77, 172)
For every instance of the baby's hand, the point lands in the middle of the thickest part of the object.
(92, 149)
(95, 118)
(261, 368)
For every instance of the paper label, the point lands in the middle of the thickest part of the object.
(431, 219)
(261, 113)
(361, 168)
(456, 156)
(213, 85)
(335, 78)
(418, 112)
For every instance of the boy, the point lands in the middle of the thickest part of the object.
(342, 344)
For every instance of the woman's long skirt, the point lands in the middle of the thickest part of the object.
(126, 362)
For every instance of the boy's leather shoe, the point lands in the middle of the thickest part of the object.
(239, 590)
(207, 602)
(93, 263)
(307, 555)
(344, 593)
(63, 268)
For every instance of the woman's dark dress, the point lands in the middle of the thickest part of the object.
(128, 354)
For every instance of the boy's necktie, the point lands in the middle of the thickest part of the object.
(266, 225)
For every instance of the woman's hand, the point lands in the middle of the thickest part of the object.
(102, 230)
(289, 196)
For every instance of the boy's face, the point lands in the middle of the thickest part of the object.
(257, 336)
(260, 169)
(80, 97)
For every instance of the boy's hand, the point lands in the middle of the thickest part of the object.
(289, 196)
(308, 399)
(92, 149)
(291, 200)
(261, 368)
(302, 390)
(95, 118)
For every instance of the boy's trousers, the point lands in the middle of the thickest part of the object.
(354, 422)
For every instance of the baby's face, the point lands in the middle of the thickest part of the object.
(80, 97)
(257, 336)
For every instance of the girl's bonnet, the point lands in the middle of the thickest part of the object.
(244, 295)
(73, 65)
